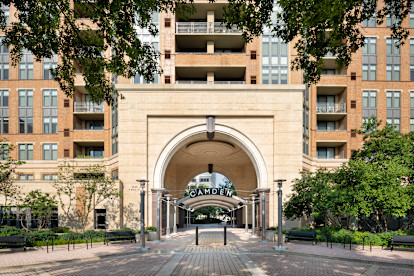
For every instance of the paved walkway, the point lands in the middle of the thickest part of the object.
(179, 255)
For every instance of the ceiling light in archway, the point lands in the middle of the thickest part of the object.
(211, 127)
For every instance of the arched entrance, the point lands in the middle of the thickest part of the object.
(230, 153)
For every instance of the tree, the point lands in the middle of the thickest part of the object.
(228, 185)
(375, 185)
(80, 189)
(38, 206)
(317, 27)
(313, 196)
(53, 27)
(9, 191)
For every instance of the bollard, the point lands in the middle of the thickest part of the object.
(196, 235)
(225, 235)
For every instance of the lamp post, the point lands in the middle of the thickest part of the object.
(167, 236)
(142, 208)
(279, 226)
(263, 217)
(253, 216)
(246, 215)
(175, 217)
(158, 216)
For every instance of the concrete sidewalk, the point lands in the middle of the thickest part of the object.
(179, 255)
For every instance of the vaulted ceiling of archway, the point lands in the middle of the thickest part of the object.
(225, 155)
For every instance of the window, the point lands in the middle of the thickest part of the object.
(412, 59)
(392, 20)
(6, 11)
(274, 60)
(95, 152)
(4, 152)
(66, 103)
(328, 72)
(25, 111)
(369, 59)
(50, 151)
(394, 109)
(393, 60)
(4, 111)
(66, 153)
(369, 104)
(48, 65)
(25, 151)
(305, 123)
(412, 111)
(114, 127)
(146, 38)
(50, 118)
(94, 125)
(26, 66)
(115, 174)
(412, 15)
(25, 177)
(353, 76)
(4, 60)
(325, 153)
(325, 125)
(371, 22)
(50, 177)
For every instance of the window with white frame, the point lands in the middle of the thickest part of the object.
(49, 64)
(4, 111)
(50, 151)
(274, 60)
(412, 15)
(26, 66)
(50, 118)
(369, 59)
(146, 38)
(25, 151)
(393, 60)
(394, 109)
(4, 60)
(25, 111)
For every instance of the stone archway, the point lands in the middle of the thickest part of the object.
(198, 133)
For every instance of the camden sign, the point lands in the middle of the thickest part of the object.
(211, 191)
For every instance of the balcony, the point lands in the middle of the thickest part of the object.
(88, 111)
(80, 107)
(204, 28)
(330, 111)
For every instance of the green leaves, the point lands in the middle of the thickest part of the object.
(376, 184)
(317, 27)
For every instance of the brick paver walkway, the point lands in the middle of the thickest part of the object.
(180, 256)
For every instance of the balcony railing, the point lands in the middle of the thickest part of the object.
(203, 28)
(207, 82)
(88, 107)
(331, 108)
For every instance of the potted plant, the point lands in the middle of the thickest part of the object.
(271, 233)
(152, 233)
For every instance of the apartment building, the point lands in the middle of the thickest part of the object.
(219, 101)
